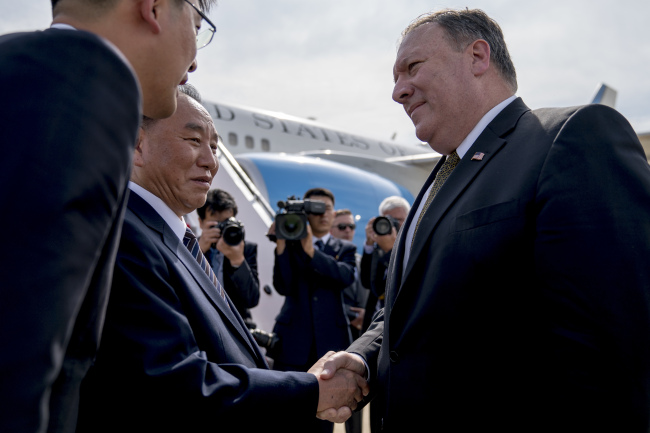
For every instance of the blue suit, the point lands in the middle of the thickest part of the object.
(312, 320)
(174, 355)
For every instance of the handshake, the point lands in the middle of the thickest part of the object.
(341, 384)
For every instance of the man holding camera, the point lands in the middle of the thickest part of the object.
(381, 233)
(233, 260)
(311, 272)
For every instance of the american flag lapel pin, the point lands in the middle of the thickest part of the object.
(478, 156)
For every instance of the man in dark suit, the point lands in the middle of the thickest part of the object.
(75, 92)
(520, 302)
(234, 265)
(311, 274)
(376, 254)
(175, 354)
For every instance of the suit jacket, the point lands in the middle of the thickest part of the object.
(242, 284)
(174, 356)
(312, 320)
(373, 277)
(524, 303)
(68, 122)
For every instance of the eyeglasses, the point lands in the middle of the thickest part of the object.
(344, 226)
(203, 37)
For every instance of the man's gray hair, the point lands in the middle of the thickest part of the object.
(190, 90)
(393, 202)
(464, 26)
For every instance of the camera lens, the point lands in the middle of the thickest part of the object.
(233, 235)
(382, 226)
(292, 226)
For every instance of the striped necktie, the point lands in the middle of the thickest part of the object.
(447, 167)
(192, 244)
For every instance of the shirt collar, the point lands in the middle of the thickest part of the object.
(177, 224)
(325, 239)
(481, 125)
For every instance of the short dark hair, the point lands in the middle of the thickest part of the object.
(204, 5)
(464, 26)
(319, 191)
(217, 200)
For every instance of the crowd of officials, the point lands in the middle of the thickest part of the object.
(514, 295)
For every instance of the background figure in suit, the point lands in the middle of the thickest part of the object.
(354, 296)
(176, 355)
(234, 265)
(312, 320)
(77, 96)
(376, 255)
(520, 302)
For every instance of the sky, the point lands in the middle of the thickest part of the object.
(331, 60)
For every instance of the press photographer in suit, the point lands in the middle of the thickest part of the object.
(76, 93)
(175, 355)
(234, 265)
(376, 254)
(518, 289)
(311, 274)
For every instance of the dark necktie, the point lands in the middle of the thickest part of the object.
(192, 244)
(447, 167)
(320, 245)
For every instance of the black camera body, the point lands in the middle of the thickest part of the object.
(291, 219)
(232, 231)
(383, 225)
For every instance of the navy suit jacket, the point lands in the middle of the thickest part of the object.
(68, 121)
(174, 355)
(524, 305)
(312, 320)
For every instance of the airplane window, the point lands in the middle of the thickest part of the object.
(266, 145)
(232, 139)
(249, 142)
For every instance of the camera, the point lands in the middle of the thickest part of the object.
(232, 231)
(383, 225)
(291, 219)
(267, 340)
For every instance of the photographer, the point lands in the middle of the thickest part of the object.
(234, 265)
(376, 254)
(311, 272)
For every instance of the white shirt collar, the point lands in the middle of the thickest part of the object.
(325, 239)
(481, 125)
(177, 224)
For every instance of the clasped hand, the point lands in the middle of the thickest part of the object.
(342, 384)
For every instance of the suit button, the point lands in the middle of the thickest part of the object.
(315, 298)
(394, 357)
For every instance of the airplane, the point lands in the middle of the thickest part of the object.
(267, 156)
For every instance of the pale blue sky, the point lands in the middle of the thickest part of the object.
(332, 59)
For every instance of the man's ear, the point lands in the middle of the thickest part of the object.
(480, 51)
(138, 157)
(150, 13)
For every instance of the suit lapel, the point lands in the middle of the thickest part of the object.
(151, 218)
(488, 143)
(399, 249)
